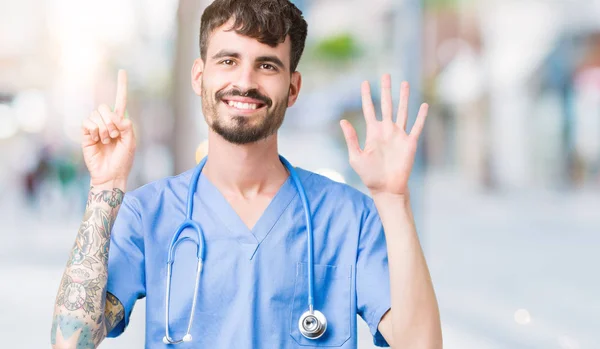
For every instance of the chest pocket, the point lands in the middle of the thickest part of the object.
(332, 298)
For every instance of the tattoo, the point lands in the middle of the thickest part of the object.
(85, 243)
(99, 334)
(102, 253)
(113, 312)
(112, 197)
(68, 330)
(91, 244)
(76, 295)
(81, 305)
(80, 273)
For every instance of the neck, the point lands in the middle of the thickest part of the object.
(244, 170)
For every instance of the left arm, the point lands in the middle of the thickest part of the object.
(416, 323)
(384, 166)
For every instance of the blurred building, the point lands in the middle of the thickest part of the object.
(567, 92)
(493, 71)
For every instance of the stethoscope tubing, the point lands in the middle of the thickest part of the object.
(189, 223)
(307, 216)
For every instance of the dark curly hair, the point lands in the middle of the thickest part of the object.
(268, 21)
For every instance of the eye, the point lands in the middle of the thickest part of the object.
(267, 66)
(227, 62)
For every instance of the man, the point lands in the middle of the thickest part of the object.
(253, 287)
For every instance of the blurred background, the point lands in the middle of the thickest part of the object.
(506, 187)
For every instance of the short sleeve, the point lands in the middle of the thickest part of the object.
(126, 276)
(372, 274)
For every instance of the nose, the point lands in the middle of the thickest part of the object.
(245, 79)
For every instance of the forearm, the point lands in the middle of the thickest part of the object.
(79, 320)
(415, 313)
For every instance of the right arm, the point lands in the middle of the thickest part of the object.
(84, 312)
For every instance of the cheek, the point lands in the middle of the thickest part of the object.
(214, 81)
(280, 92)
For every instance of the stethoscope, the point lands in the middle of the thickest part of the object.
(312, 323)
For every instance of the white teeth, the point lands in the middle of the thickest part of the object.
(240, 105)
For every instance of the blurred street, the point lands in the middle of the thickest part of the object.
(506, 188)
(511, 271)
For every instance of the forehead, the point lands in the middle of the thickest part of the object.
(222, 38)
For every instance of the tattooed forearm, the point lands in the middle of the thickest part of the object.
(79, 313)
(91, 244)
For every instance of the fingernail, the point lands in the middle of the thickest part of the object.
(106, 141)
(114, 133)
(95, 139)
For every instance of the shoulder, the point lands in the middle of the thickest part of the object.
(150, 193)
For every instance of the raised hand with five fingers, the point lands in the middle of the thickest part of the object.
(385, 163)
(108, 141)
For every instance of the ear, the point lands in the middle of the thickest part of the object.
(295, 84)
(197, 70)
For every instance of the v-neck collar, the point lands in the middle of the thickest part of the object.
(249, 240)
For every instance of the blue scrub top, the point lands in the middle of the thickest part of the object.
(253, 287)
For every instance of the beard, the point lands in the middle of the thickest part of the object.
(241, 130)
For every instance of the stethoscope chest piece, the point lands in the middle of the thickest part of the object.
(313, 324)
(186, 338)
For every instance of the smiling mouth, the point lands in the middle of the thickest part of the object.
(243, 106)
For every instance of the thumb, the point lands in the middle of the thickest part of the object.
(125, 127)
(351, 139)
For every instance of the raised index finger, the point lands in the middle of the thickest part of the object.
(121, 101)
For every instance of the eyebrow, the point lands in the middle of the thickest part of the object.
(261, 59)
(225, 53)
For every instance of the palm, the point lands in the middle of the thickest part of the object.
(385, 163)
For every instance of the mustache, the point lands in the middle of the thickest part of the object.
(252, 93)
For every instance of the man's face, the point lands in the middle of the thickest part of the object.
(245, 86)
